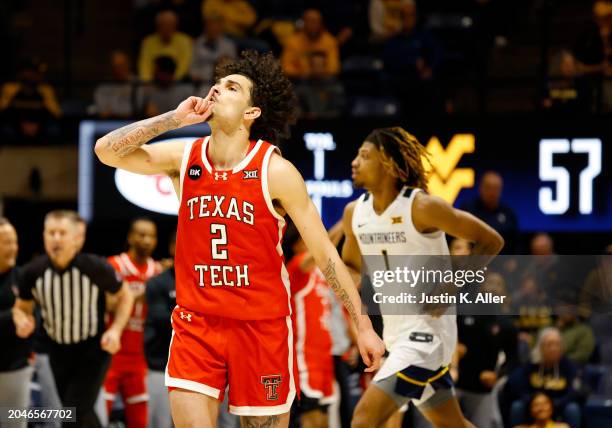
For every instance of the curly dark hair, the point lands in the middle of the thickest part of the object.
(272, 92)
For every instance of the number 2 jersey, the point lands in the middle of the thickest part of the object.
(229, 260)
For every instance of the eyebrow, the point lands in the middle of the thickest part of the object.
(233, 82)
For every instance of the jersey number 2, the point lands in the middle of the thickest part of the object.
(219, 233)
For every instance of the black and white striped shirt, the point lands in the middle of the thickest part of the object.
(72, 301)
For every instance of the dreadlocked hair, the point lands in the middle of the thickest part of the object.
(272, 92)
(402, 156)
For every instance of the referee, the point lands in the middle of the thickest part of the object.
(73, 291)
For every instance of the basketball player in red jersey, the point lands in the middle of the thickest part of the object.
(128, 370)
(311, 316)
(232, 323)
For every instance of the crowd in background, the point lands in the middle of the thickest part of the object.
(537, 361)
(377, 57)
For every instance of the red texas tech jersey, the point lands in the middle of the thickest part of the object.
(229, 260)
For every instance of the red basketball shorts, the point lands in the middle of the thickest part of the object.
(127, 375)
(255, 358)
(318, 384)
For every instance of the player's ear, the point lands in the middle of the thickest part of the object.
(252, 113)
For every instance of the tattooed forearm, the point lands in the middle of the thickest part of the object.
(260, 421)
(334, 283)
(124, 141)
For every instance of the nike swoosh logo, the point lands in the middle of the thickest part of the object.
(361, 225)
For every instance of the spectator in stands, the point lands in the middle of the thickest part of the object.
(385, 17)
(595, 294)
(166, 41)
(532, 306)
(188, 12)
(565, 91)
(489, 208)
(593, 50)
(482, 339)
(552, 373)
(347, 21)
(413, 58)
(211, 46)
(320, 95)
(541, 412)
(29, 105)
(164, 94)
(578, 337)
(313, 37)
(238, 15)
(116, 98)
(15, 371)
(546, 266)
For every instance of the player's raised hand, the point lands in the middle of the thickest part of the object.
(371, 348)
(195, 109)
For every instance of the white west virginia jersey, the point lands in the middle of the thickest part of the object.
(392, 233)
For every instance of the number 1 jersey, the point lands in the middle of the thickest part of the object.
(229, 259)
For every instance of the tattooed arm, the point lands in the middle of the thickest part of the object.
(125, 147)
(288, 188)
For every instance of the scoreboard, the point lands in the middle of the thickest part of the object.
(556, 173)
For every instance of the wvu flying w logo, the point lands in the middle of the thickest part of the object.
(445, 180)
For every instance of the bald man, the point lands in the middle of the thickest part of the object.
(489, 208)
